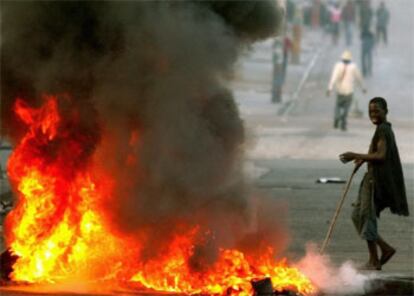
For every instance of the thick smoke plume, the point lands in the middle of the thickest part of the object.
(148, 79)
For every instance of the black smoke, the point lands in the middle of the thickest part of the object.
(156, 70)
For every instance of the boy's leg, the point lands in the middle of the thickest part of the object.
(357, 213)
(364, 219)
(356, 216)
(370, 231)
(387, 251)
(373, 262)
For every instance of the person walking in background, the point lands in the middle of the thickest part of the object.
(382, 186)
(365, 15)
(335, 15)
(287, 47)
(383, 17)
(343, 79)
(290, 10)
(367, 46)
(325, 17)
(348, 17)
(296, 36)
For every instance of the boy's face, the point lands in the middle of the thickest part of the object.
(376, 113)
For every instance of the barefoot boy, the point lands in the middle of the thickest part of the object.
(382, 186)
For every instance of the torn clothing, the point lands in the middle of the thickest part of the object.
(389, 187)
(364, 213)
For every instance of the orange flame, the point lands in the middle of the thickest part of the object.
(59, 231)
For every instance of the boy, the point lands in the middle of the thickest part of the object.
(382, 186)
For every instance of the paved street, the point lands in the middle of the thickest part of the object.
(312, 205)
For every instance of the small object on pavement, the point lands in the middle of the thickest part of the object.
(325, 180)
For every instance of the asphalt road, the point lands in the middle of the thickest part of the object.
(311, 206)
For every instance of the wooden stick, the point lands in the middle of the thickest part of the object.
(338, 209)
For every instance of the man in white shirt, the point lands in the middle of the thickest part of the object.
(343, 79)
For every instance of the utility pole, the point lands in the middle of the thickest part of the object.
(277, 76)
(278, 60)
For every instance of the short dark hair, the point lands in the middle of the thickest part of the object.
(380, 101)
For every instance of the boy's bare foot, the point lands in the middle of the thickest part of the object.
(386, 256)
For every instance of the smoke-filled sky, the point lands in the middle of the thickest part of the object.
(148, 80)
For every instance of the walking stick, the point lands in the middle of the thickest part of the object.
(338, 209)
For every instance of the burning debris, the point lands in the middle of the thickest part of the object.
(264, 287)
(127, 145)
(7, 260)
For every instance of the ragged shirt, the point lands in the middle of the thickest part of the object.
(389, 187)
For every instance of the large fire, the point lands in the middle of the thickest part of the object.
(59, 232)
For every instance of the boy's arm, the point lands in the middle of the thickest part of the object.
(358, 163)
(379, 155)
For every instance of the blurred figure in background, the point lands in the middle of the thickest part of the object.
(296, 35)
(287, 47)
(383, 17)
(324, 17)
(315, 12)
(348, 17)
(367, 45)
(335, 15)
(290, 10)
(343, 79)
(365, 15)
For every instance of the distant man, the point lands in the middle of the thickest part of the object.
(365, 15)
(343, 79)
(348, 17)
(336, 15)
(383, 17)
(367, 46)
